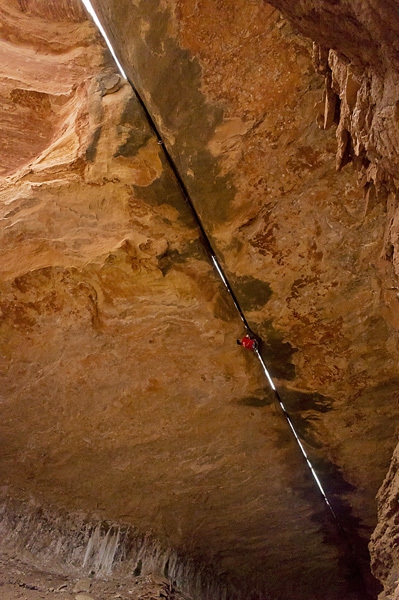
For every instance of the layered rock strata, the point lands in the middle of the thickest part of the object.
(125, 399)
(384, 547)
(356, 50)
(235, 96)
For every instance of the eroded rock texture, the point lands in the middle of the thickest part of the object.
(233, 91)
(384, 547)
(356, 50)
(133, 428)
(117, 338)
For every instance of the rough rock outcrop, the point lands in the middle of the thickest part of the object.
(234, 94)
(118, 340)
(384, 546)
(356, 50)
(125, 399)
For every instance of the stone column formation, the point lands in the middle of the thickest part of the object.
(137, 436)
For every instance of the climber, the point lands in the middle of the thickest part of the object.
(248, 342)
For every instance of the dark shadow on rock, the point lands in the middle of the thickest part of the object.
(135, 123)
(275, 351)
(311, 404)
(251, 293)
(256, 402)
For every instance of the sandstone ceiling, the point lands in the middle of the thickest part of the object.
(126, 404)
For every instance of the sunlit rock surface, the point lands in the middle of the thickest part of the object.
(126, 404)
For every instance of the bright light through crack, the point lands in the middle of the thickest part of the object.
(287, 417)
(96, 20)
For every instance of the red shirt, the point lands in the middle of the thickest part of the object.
(248, 343)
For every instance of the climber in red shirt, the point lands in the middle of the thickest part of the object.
(248, 343)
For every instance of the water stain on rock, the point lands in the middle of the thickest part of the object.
(251, 293)
(275, 351)
(224, 308)
(172, 257)
(303, 409)
(295, 401)
(172, 85)
(255, 401)
(91, 150)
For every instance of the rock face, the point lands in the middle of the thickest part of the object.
(233, 92)
(384, 548)
(357, 52)
(133, 428)
(39, 68)
(117, 337)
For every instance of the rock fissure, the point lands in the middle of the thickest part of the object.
(213, 258)
(117, 335)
